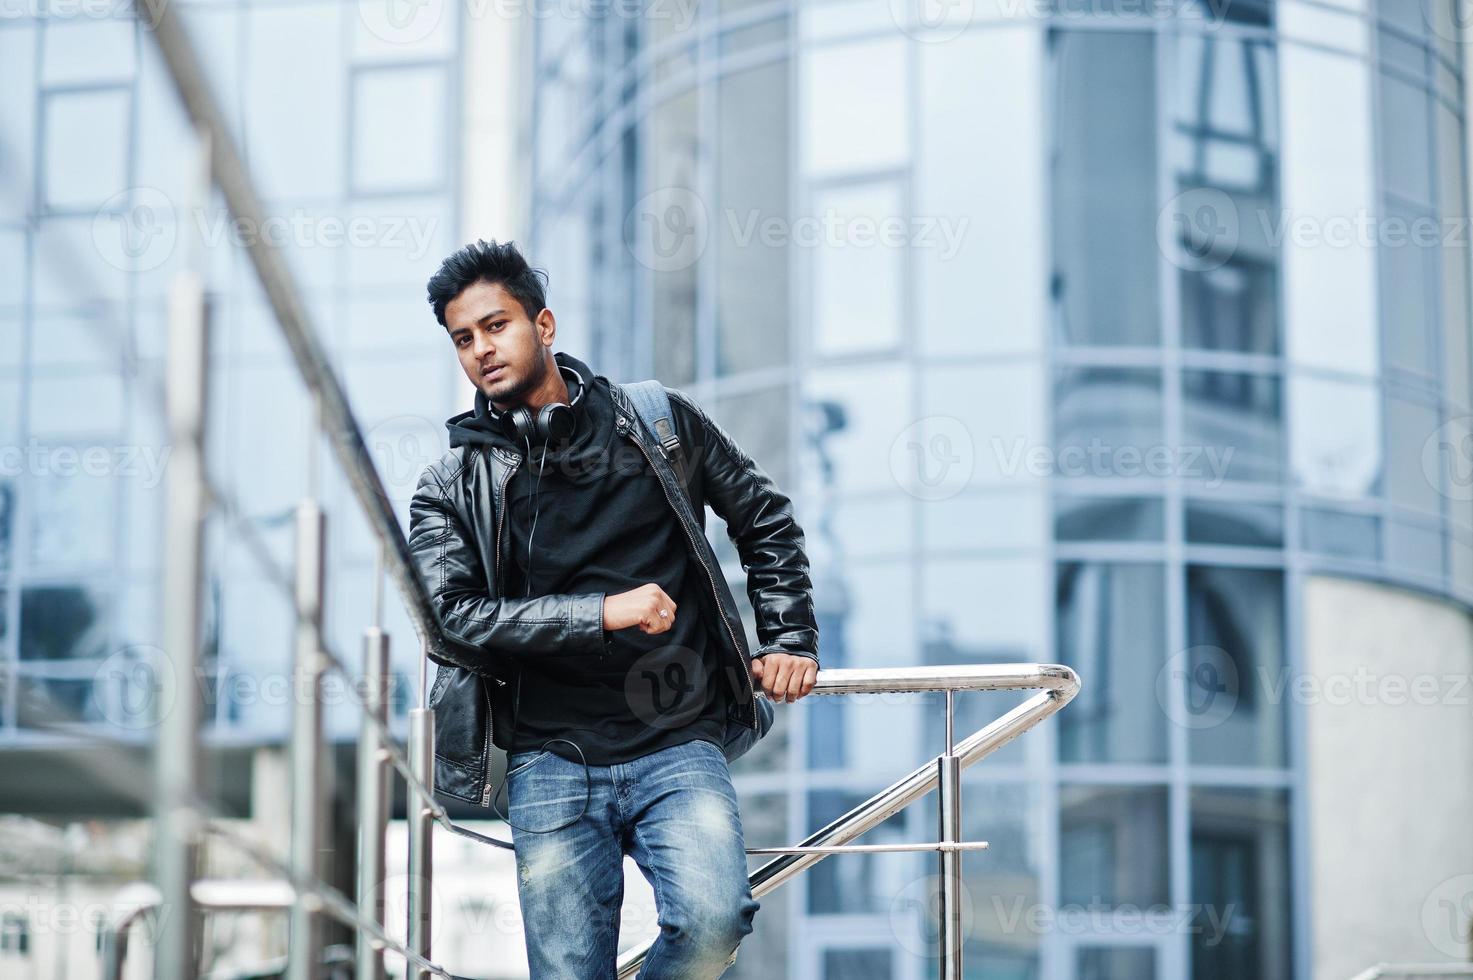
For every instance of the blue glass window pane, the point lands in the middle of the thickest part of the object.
(1112, 846)
(399, 120)
(1232, 427)
(1107, 421)
(86, 148)
(1111, 629)
(1114, 963)
(1344, 535)
(1235, 637)
(1237, 523)
(1240, 861)
(1109, 519)
(1105, 281)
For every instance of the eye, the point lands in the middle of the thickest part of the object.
(498, 324)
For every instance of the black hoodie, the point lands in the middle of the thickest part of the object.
(603, 524)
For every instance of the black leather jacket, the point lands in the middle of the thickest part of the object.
(457, 538)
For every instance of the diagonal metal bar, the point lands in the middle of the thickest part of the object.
(1058, 686)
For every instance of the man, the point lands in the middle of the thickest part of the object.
(592, 634)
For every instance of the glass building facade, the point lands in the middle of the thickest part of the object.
(1081, 332)
(95, 221)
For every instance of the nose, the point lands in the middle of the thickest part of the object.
(481, 345)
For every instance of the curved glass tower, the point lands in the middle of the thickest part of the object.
(1129, 335)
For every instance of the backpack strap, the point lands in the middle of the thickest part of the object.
(652, 405)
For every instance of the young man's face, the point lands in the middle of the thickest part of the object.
(501, 349)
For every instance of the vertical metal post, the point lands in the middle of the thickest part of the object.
(177, 775)
(421, 828)
(949, 910)
(373, 800)
(308, 748)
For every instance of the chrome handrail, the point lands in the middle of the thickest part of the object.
(1411, 971)
(1057, 684)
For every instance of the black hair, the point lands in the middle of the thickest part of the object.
(501, 264)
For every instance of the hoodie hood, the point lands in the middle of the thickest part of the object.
(479, 427)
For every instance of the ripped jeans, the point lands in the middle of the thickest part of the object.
(675, 812)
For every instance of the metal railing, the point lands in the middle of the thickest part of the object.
(1415, 971)
(184, 820)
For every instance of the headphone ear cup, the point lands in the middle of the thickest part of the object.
(524, 429)
(556, 422)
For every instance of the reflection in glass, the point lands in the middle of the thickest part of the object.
(1335, 436)
(1406, 139)
(671, 174)
(1104, 213)
(1107, 421)
(1235, 523)
(1231, 427)
(1415, 547)
(1225, 144)
(1115, 963)
(856, 116)
(1412, 479)
(86, 149)
(1004, 886)
(1240, 875)
(1112, 845)
(752, 187)
(64, 622)
(1409, 253)
(858, 964)
(1110, 630)
(1235, 635)
(858, 882)
(857, 284)
(1109, 519)
(1328, 177)
(1339, 533)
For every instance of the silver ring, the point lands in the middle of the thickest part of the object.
(663, 614)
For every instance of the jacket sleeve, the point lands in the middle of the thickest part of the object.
(759, 519)
(446, 558)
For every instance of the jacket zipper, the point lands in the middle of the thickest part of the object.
(695, 549)
(496, 570)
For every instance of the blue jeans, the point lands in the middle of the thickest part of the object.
(675, 812)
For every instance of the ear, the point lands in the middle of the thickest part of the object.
(546, 327)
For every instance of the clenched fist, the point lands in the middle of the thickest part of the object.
(647, 607)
